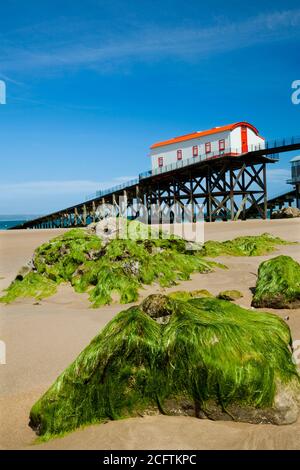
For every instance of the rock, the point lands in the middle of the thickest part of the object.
(212, 360)
(131, 267)
(107, 229)
(285, 408)
(230, 295)
(286, 213)
(24, 270)
(91, 228)
(287, 318)
(157, 306)
(278, 284)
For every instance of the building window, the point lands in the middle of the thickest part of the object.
(160, 161)
(221, 144)
(195, 151)
(179, 154)
(208, 147)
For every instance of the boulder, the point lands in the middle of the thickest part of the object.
(213, 359)
(286, 213)
(278, 283)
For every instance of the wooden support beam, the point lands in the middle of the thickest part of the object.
(84, 214)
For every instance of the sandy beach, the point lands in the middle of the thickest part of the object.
(43, 338)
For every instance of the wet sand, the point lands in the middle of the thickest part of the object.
(43, 339)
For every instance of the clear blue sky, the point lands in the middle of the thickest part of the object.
(92, 84)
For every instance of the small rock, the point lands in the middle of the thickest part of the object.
(157, 306)
(230, 295)
(26, 269)
(287, 318)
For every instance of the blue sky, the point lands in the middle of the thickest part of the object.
(92, 84)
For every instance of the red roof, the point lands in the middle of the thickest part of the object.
(196, 135)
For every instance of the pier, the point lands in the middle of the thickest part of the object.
(225, 187)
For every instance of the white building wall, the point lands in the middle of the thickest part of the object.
(169, 152)
(236, 140)
(233, 144)
(255, 142)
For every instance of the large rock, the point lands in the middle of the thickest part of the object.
(286, 213)
(212, 359)
(278, 284)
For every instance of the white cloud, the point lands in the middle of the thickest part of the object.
(147, 43)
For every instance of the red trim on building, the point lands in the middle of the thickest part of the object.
(160, 161)
(244, 139)
(195, 151)
(179, 154)
(197, 135)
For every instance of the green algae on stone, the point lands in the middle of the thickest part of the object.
(243, 246)
(118, 269)
(33, 285)
(230, 295)
(110, 379)
(210, 352)
(187, 295)
(278, 283)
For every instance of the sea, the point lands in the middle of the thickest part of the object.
(8, 221)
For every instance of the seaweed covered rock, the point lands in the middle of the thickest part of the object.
(278, 283)
(32, 285)
(187, 295)
(230, 295)
(243, 246)
(213, 359)
(104, 268)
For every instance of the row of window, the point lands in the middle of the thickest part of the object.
(195, 151)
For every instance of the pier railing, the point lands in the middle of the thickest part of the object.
(113, 189)
(232, 152)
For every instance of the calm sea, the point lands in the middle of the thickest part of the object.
(5, 224)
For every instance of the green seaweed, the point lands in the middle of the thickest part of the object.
(211, 349)
(33, 285)
(243, 246)
(278, 283)
(119, 269)
(187, 295)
